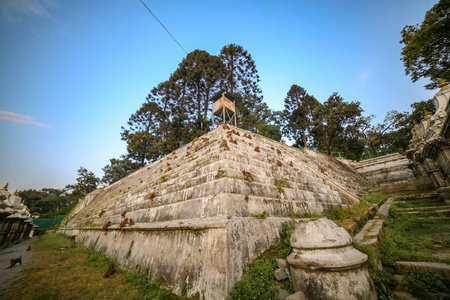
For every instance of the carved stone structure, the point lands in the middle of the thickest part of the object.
(324, 264)
(429, 149)
(206, 211)
(15, 219)
(390, 173)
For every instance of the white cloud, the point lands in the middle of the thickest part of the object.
(10, 117)
(12, 11)
(363, 76)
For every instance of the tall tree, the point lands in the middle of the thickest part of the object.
(427, 47)
(118, 169)
(331, 118)
(240, 78)
(198, 76)
(142, 137)
(374, 134)
(297, 114)
(86, 182)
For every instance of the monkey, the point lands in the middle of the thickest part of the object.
(196, 148)
(101, 213)
(140, 180)
(105, 227)
(279, 164)
(175, 157)
(188, 153)
(291, 164)
(257, 149)
(169, 169)
(72, 239)
(194, 140)
(279, 152)
(247, 136)
(123, 223)
(111, 270)
(131, 222)
(224, 145)
(248, 176)
(124, 213)
(29, 248)
(205, 139)
(14, 261)
(206, 144)
(225, 126)
(152, 195)
(272, 148)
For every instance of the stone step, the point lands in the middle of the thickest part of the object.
(441, 269)
(426, 208)
(434, 212)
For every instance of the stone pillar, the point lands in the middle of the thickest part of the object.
(14, 230)
(6, 225)
(443, 160)
(434, 173)
(324, 264)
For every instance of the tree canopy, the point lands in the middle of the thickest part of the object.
(426, 53)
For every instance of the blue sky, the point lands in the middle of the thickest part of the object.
(72, 72)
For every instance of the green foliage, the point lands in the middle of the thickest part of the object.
(373, 197)
(331, 119)
(257, 284)
(86, 182)
(260, 216)
(118, 169)
(422, 284)
(425, 54)
(221, 173)
(280, 184)
(48, 202)
(297, 114)
(153, 290)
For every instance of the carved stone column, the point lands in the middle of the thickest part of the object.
(324, 264)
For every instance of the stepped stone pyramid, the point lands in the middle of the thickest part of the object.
(199, 212)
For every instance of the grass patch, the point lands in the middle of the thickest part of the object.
(259, 282)
(280, 184)
(260, 216)
(373, 197)
(77, 273)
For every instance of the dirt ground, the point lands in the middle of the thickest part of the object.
(10, 276)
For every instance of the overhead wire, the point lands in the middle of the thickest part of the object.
(163, 26)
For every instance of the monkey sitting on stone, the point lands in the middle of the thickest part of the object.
(105, 227)
(123, 223)
(110, 272)
(14, 261)
(124, 213)
(131, 222)
(28, 248)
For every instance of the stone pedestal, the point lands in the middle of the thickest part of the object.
(324, 264)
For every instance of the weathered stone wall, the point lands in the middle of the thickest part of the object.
(390, 173)
(194, 210)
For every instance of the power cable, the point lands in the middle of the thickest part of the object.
(162, 25)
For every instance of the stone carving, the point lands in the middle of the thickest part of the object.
(5, 188)
(15, 219)
(324, 264)
(429, 148)
(443, 84)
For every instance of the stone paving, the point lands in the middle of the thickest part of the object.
(12, 275)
